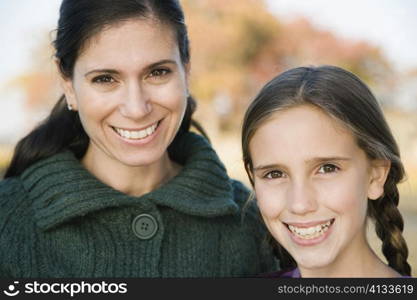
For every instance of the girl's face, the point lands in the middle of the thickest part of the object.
(129, 87)
(312, 183)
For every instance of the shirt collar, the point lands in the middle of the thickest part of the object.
(61, 189)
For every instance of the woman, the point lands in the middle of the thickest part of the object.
(113, 183)
(321, 159)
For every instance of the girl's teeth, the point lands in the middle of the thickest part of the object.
(139, 134)
(310, 232)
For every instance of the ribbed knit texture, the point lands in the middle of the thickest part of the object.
(57, 220)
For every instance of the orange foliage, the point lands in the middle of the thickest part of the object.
(36, 86)
(236, 47)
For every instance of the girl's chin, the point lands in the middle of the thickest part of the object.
(312, 266)
(313, 260)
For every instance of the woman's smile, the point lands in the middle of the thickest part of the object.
(138, 136)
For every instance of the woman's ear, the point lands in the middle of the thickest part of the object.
(67, 86)
(378, 176)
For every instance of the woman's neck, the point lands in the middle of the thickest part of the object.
(133, 181)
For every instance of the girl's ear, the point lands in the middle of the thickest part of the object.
(379, 173)
(67, 86)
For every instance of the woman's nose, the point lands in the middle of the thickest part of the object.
(136, 103)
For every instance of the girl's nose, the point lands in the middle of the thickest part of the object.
(301, 198)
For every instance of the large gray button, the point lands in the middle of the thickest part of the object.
(144, 226)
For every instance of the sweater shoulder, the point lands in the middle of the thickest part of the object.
(15, 216)
(251, 220)
(12, 198)
(10, 188)
(248, 207)
(241, 193)
(245, 200)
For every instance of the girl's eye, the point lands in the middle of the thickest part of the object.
(274, 174)
(159, 72)
(103, 79)
(328, 168)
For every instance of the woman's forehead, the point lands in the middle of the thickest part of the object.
(138, 38)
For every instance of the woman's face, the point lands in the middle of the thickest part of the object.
(129, 87)
(312, 183)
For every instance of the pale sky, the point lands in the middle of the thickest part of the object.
(22, 24)
(389, 24)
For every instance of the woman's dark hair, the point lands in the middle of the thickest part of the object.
(79, 21)
(346, 98)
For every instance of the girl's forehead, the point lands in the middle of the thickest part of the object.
(302, 132)
(305, 117)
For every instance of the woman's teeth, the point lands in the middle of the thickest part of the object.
(310, 232)
(137, 134)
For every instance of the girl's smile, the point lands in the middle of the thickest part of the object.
(309, 233)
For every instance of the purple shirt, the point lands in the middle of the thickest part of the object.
(288, 273)
(292, 273)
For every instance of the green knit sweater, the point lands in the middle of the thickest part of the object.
(58, 220)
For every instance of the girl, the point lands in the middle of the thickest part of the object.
(322, 159)
(113, 183)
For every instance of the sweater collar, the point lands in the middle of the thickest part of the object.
(61, 189)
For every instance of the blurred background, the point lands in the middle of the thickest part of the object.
(238, 46)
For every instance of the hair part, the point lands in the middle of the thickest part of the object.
(345, 98)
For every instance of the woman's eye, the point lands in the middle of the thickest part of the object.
(274, 174)
(103, 79)
(328, 168)
(159, 72)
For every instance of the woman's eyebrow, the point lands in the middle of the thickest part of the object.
(107, 71)
(161, 62)
(266, 167)
(151, 66)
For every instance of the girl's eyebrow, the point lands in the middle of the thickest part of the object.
(113, 71)
(308, 161)
(329, 158)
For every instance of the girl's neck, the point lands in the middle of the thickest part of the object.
(361, 263)
(133, 181)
